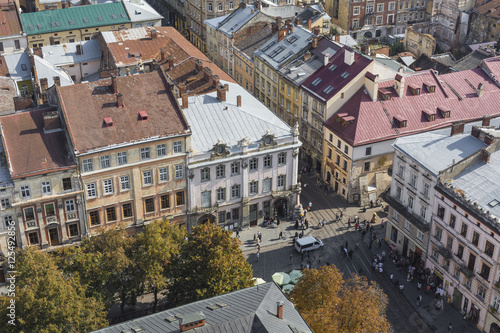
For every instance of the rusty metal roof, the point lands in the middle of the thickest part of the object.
(11, 25)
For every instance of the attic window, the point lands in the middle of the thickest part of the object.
(123, 15)
(39, 26)
(401, 121)
(31, 27)
(292, 39)
(114, 16)
(24, 67)
(345, 75)
(328, 89)
(430, 87)
(276, 51)
(85, 20)
(344, 119)
(415, 90)
(316, 81)
(385, 95)
(58, 24)
(52, 24)
(71, 22)
(493, 203)
(142, 115)
(99, 18)
(332, 67)
(429, 115)
(445, 112)
(108, 122)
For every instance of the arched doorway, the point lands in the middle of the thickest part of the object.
(280, 208)
(207, 218)
(494, 328)
(368, 34)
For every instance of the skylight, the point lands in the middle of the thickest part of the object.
(333, 67)
(39, 26)
(265, 48)
(99, 18)
(123, 15)
(85, 20)
(31, 27)
(114, 16)
(292, 39)
(316, 81)
(328, 89)
(71, 22)
(345, 75)
(276, 51)
(52, 24)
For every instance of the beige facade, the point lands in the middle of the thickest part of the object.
(289, 101)
(266, 84)
(244, 70)
(51, 5)
(418, 43)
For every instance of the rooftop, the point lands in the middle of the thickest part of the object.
(237, 19)
(29, 149)
(10, 19)
(145, 92)
(425, 62)
(7, 93)
(80, 17)
(253, 41)
(285, 12)
(45, 69)
(336, 74)
(66, 54)
(278, 53)
(489, 9)
(438, 151)
(18, 66)
(472, 60)
(251, 309)
(375, 120)
(140, 11)
(211, 119)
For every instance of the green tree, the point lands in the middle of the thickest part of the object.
(48, 301)
(396, 47)
(159, 242)
(210, 263)
(329, 303)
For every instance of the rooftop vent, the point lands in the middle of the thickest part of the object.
(108, 122)
(192, 320)
(142, 115)
(51, 121)
(135, 329)
(217, 306)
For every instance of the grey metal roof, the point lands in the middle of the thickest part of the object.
(214, 22)
(211, 120)
(45, 69)
(472, 60)
(436, 151)
(237, 19)
(251, 310)
(65, 54)
(252, 42)
(481, 183)
(141, 11)
(289, 46)
(285, 12)
(18, 65)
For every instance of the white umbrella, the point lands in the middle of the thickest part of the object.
(281, 278)
(287, 288)
(295, 276)
(257, 281)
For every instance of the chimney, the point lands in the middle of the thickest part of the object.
(221, 92)
(485, 156)
(288, 22)
(185, 102)
(12, 6)
(114, 86)
(238, 101)
(170, 61)
(51, 121)
(182, 88)
(79, 49)
(316, 31)
(309, 22)
(486, 120)
(274, 27)
(348, 56)
(307, 56)
(215, 80)
(154, 33)
(371, 83)
(297, 21)
(243, 5)
(278, 21)
(475, 131)
(282, 33)
(198, 65)
(127, 71)
(480, 90)
(326, 58)
(44, 84)
(279, 309)
(399, 84)
(38, 51)
(457, 128)
(207, 74)
(57, 81)
(163, 56)
(314, 43)
(290, 29)
(337, 38)
(489, 139)
(191, 320)
(119, 100)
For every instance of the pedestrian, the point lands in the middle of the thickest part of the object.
(391, 277)
(319, 257)
(278, 221)
(281, 235)
(355, 218)
(237, 233)
(345, 251)
(291, 257)
(380, 270)
(450, 327)
(310, 205)
(419, 299)
(419, 285)
(296, 224)
(401, 288)
(341, 215)
(346, 244)
(380, 243)
(348, 225)
(258, 256)
(254, 237)
(356, 227)
(350, 253)
(360, 271)
(258, 247)
(307, 224)
(319, 222)
(323, 223)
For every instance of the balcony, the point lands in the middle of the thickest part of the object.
(444, 252)
(467, 272)
(413, 218)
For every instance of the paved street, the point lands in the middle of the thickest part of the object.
(403, 313)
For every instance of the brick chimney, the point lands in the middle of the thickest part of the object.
(314, 43)
(279, 306)
(326, 58)
(207, 74)
(198, 65)
(163, 56)
(238, 101)
(316, 31)
(489, 139)
(486, 120)
(290, 28)
(51, 121)
(337, 38)
(278, 21)
(170, 61)
(480, 90)
(119, 100)
(38, 51)
(457, 128)
(44, 84)
(57, 81)
(307, 56)
(282, 33)
(185, 102)
(309, 22)
(154, 34)
(297, 21)
(182, 89)
(485, 156)
(215, 80)
(288, 22)
(114, 85)
(475, 131)
(221, 92)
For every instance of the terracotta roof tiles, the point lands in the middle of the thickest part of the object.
(11, 25)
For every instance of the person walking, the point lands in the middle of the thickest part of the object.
(310, 205)
(401, 288)
(323, 223)
(258, 255)
(419, 299)
(237, 233)
(350, 253)
(281, 235)
(450, 327)
(291, 257)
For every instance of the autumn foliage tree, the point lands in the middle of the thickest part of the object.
(210, 263)
(329, 303)
(49, 301)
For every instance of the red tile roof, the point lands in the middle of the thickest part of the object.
(455, 92)
(144, 92)
(334, 78)
(11, 24)
(490, 9)
(30, 150)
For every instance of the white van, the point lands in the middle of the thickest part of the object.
(308, 243)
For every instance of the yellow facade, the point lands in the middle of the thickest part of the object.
(337, 160)
(244, 70)
(266, 85)
(289, 101)
(148, 186)
(52, 5)
(70, 36)
(211, 44)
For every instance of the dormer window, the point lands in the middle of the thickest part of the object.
(415, 90)
(430, 87)
(344, 119)
(316, 81)
(142, 115)
(108, 122)
(400, 121)
(385, 95)
(445, 112)
(429, 115)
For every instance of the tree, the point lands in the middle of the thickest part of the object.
(104, 266)
(159, 242)
(396, 47)
(328, 303)
(210, 263)
(46, 300)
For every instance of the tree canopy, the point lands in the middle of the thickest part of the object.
(210, 263)
(329, 303)
(49, 301)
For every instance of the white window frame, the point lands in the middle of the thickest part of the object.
(423, 211)
(147, 177)
(122, 157)
(108, 187)
(355, 11)
(282, 158)
(25, 191)
(206, 199)
(235, 191)
(91, 190)
(411, 202)
(379, 19)
(161, 150)
(220, 171)
(380, 7)
(177, 147)
(268, 161)
(420, 235)
(179, 171)
(221, 194)
(46, 188)
(427, 187)
(145, 153)
(163, 174)
(205, 174)
(280, 183)
(254, 163)
(70, 205)
(407, 225)
(235, 168)
(267, 185)
(413, 179)
(253, 188)
(105, 161)
(125, 183)
(88, 165)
